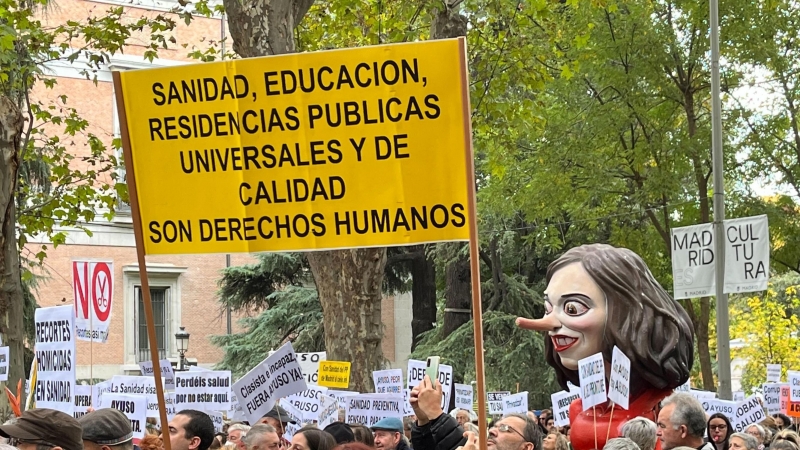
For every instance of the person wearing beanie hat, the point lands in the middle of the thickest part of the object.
(341, 432)
(388, 434)
(106, 429)
(44, 427)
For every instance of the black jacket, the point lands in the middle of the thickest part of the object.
(443, 433)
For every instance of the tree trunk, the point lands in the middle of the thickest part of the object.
(423, 293)
(457, 294)
(348, 281)
(349, 285)
(11, 299)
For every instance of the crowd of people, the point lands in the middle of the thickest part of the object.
(682, 425)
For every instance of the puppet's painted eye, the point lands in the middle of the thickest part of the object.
(574, 308)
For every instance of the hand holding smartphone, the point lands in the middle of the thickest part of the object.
(432, 369)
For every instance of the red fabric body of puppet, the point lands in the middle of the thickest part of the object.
(585, 425)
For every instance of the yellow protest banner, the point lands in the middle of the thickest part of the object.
(335, 149)
(334, 374)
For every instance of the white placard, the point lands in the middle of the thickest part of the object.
(290, 429)
(277, 376)
(772, 397)
(136, 385)
(93, 287)
(592, 374)
(83, 400)
(685, 387)
(408, 410)
(329, 411)
(166, 372)
(236, 413)
(133, 406)
(309, 364)
(773, 373)
(748, 412)
(368, 409)
(495, 401)
(738, 396)
(307, 402)
(794, 385)
(100, 389)
(172, 406)
(746, 254)
(693, 272)
(416, 372)
(713, 405)
(561, 402)
(4, 363)
(388, 381)
(464, 396)
(55, 358)
(516, 403)
(341, 396)
(205, 391)
(703, 395)
(217, 419)
(293, 412)
(620, 380)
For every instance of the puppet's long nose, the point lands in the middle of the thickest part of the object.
(546, 323)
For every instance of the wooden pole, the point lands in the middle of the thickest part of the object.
(130, 174)
(474, 255)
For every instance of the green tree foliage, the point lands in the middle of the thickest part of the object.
(767, 324)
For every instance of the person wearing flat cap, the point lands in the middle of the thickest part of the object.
(388, 434)
(278, 418)
(106, 429)
(44, 429)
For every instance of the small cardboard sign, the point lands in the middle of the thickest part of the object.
(748, 412)
(495, 401)
(388, 381)
(133, 406)
(774, 373)
(464, 396)
(335, 374)
(516, 403)
(307, 402)
(620, 380)
(592, 374)
(772, 397)
(368, 409)
(561, 402)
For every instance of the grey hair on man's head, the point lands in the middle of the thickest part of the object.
(239, 427)
(256, 433)
(622, 443)
(750, 443)
(531, 432)
(688, 411)
(642, 431)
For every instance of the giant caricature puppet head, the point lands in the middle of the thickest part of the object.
(599, 296)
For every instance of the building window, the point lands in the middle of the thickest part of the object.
(159, 298)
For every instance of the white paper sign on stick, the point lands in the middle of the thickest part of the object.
(166, 372)
(133, 406)
(368, 409)
(464, 396)
(713, 405)
(794, 385)
(693, 269)
(685, 387)
(55, 358)
(93, 287)
(620, 380)
(216, 418)
(408, 410)
(516, 403)
(416, 372)
(341, 396)
(277, 376)
(135, 385)
(388, 381)
(746, 254)
(748, 412)
(495, 401)
(329, 411)
(738, 396)
(561, 401)
(307, 402)
(772, 397)
(4, 363)
(773, 373)
(309, 364)
(703, 395)
(592, 374)
(83, 400)
(205, 391)
(292, 411)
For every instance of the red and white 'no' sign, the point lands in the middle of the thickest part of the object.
(93, 283)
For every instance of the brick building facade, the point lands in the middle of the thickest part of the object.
(183, 287)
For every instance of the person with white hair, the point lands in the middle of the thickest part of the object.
(621, 444)
(743, 441)
(682, 422)
(758, 432)
(642, 431)
(236, 434)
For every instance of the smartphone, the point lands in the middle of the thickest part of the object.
(432, 368)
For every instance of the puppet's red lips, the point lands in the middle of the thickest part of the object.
(562, 342)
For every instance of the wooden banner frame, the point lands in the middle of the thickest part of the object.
(477, 312)
(138, 234)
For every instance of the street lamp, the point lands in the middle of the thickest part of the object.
(182, 341)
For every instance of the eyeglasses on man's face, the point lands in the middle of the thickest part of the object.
(505, 428)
